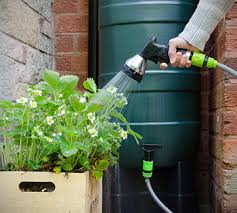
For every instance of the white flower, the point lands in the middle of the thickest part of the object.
(40, 133)
(6, 118)
(36, 128)
(60, 134)
(123, 101)
(82, 100)
(50, 140)
(50, 120)
(22, 100)
(114, 124)
(37, 92)
(112, 89)
(54, 134)
(123, 134)
(75, 113)
(60, 95)
(33, 104)
(91, 117)
(93, 132)
(61, 113)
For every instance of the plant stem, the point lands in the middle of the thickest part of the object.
(20, 151)
(2, 153)
(76, 161)
(27, 139)
(7, 153)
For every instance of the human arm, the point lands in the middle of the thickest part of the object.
(198, 30)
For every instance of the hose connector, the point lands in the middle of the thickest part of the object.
(202, 60)
(148, 164)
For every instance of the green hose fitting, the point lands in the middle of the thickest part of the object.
(147, 168)
(202, 60)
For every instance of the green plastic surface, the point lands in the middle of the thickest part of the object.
(211, 63)
(147, 174)
(147, 166)
(198, 59)
(164, 109)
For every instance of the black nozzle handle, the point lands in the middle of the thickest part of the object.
(157, 53)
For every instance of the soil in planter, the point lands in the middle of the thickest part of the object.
(37, 186)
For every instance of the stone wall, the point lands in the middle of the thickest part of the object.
(25, 44)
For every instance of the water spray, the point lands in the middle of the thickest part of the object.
(135, 67)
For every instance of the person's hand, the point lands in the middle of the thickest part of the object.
(176, 58)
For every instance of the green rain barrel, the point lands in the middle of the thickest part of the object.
(165, 107)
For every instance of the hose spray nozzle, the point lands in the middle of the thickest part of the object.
(135, 66)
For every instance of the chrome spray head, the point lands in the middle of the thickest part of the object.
(135, 67)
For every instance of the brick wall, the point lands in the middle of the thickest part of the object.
(223, 118)
(71, 37)
(25, 44)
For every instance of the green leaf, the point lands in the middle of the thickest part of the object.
(67, 167)
(51, 77)
(70, 132)
(84, 161)
(130, 131)
(100, 100)
(90, 85)
(105, 145)
(135, 135)
(39, 98)
(33, 165)
(68, 149)
(45, 159)
(97, 174)
(44, 87)
(57, 169)
(94, 107)
(82, 146)
(102, 165)
(48, 150)
(120, 117)
(68, 84)
(6, 104)
(75, 102)
(89, 95)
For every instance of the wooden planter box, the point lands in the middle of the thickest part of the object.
(44, 192)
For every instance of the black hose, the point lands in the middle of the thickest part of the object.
(155, 198)
(227, 69)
